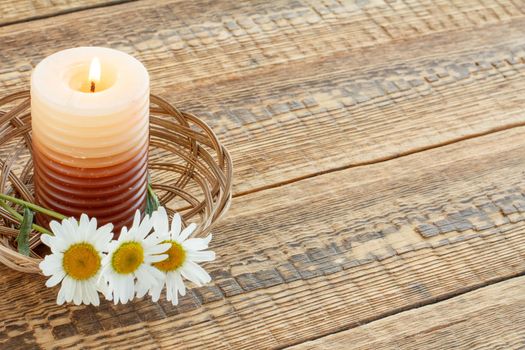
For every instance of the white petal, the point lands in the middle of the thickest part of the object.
(136, 219)
(123, 290)
(113, 245)
(61, 297)
(83, 221)
(84, 285)
(69, 230)
(117, 285)
(186, 232)
(102, 241)
(57, 244)
(157, 249)
(195, 273)
(195, 244)
(102, 286)
(151, 240)
(107, 228)
(169, 289)
(83, 226)
(129, 289)
(55, 279)
(68, 284)
(155, 291)
(141, 289)
(180, 282)
(92, 227)
(77, 298)
(56, 227)
(51, 264)
(106, 259)
(160, 222)
(93, 295)
(102, 237)
(174, 295)
(155, 273)
(124, 234)
(176, 225)
(155, 258)
(174, 287)
(200, 256)
(74, 223)
(145, 228)
(143, 277)
(47, 240)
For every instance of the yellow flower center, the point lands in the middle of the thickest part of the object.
(176, 257)
(81, 261)
(128, 257)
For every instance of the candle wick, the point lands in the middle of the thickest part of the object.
(92, 86)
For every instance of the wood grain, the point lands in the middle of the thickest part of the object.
(319, 256)
(378, 147)
(17, 11)
(282, 83)
(488, 318)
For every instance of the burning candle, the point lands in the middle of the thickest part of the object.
(90, 122)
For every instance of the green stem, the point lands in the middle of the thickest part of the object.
(20, 218)
(33, 207)
(150, 190)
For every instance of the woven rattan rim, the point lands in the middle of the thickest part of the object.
(188, 165)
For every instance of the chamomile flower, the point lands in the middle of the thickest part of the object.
(129, 260)
(183, 255)
(77, 251)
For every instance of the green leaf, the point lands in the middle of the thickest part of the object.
(23, 236)
(152, 201)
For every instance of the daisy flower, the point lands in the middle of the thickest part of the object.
(183, 256)
(77, 250)
(129, 260)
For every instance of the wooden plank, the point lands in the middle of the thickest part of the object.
(283, 82)
(378, 239)
(488, 318)
(318, 256)
(230, 37)
(17, 11)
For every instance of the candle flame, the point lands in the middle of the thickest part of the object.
(94, 72)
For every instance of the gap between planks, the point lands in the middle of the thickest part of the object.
(426, 322)
(65, 12)
(432, 301)
(385, 158)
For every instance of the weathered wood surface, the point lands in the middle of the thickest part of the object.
(320, 255)
(378, 147)
(18, 11)
(263, 73)
(491, 311)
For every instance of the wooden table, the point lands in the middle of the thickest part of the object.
(379, 149)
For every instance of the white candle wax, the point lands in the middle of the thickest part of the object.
(79, 126)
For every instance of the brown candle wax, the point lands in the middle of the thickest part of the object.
(111, 194)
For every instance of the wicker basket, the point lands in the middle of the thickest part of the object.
(190, 170)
